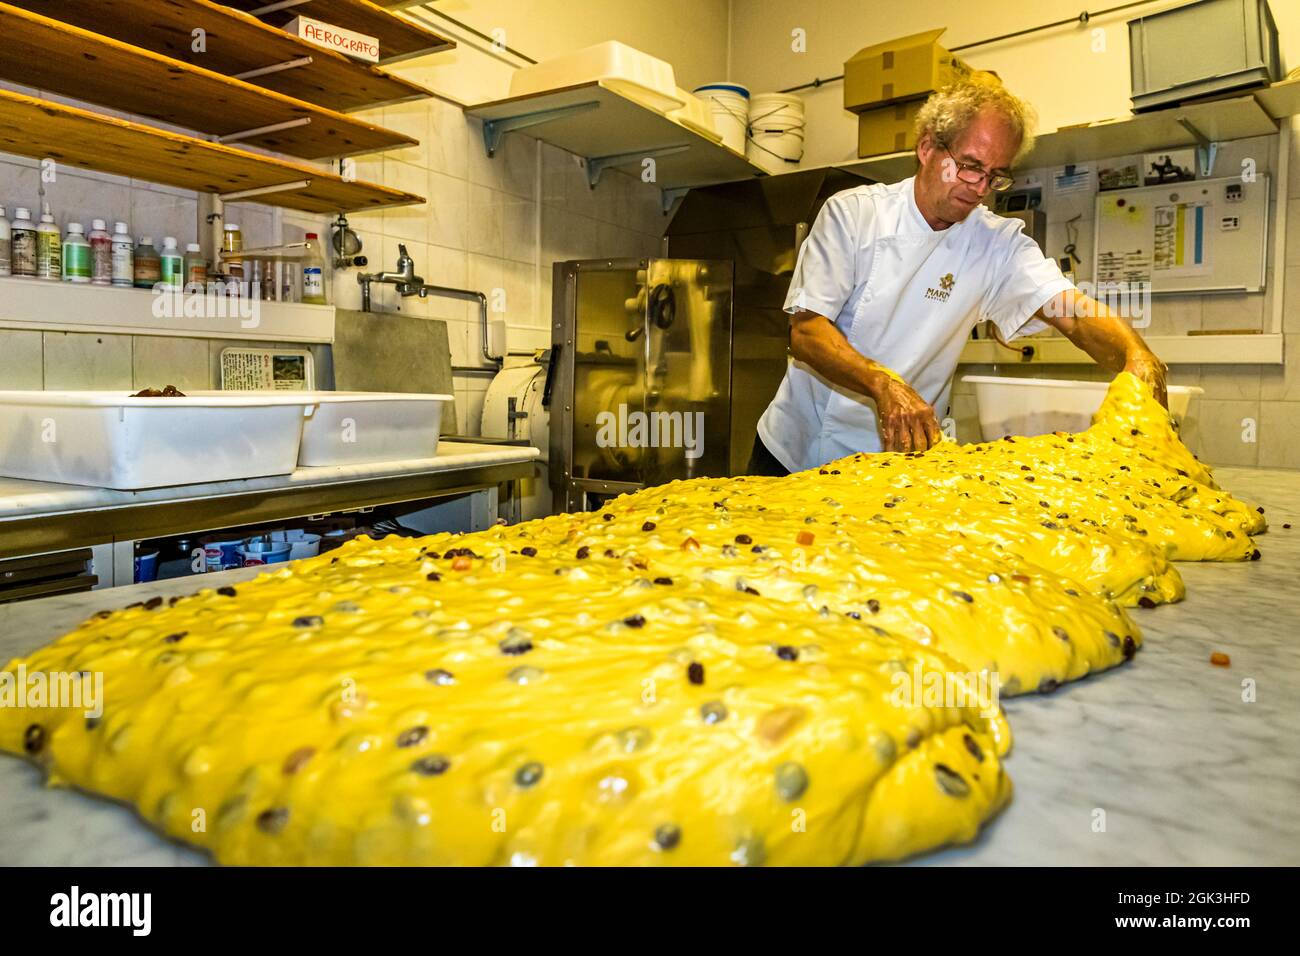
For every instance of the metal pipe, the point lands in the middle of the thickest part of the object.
(1082, 19)
(467, 294)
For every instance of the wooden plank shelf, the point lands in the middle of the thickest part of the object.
(398, 39)
(610, 130)
(70, 61)
(41, 129)
(236, 44)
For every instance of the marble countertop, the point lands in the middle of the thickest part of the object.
(1186, 772)
(21, 498)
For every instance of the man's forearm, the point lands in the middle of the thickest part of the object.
(816, 342)
(1107, 338)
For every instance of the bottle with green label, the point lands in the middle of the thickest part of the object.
(76, 254)
(49, 248)
(172, 264)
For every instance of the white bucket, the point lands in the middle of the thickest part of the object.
(775, 131)
(729, 103)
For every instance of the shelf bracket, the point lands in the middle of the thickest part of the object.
(261, 130)
(669, 196)
(598, 164)
(1205, 149)
(265, 190)
(272, 7)
(493, 130)
(274, 68)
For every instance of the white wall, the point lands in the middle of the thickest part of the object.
(1056, 70)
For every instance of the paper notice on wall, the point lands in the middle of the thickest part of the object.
(1072, 179)
(1128, 267)
(257, 370)
(1181, 248)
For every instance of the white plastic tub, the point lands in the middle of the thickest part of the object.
(729, 104)
(349, 428)
(776, 131)
(620, 67)
(1036, 406)
(111, 440)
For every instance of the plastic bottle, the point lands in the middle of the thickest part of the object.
(123, 257)
(148, 267)
(232, 240)
(6, 244)
(23, 254)
(76, 254)
(196, 267)
(172, 263)
(49, 248)
(101, 253)
(313, 274)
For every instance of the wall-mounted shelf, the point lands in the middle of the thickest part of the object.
(41, 129)
(65, 307)
(610, 130)
(1209, 349)
(57, 57)
(398, 39)
(1194, 124)
(238, 45)
(889, 168)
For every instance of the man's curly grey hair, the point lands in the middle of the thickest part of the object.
(948, 112)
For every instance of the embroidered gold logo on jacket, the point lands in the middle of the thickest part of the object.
(945, 289)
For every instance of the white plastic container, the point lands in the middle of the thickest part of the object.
(729, 103)
(697, 115)
(110, 440)
(1036, 406)
(776, 131)
(349, 428)
(620, 67)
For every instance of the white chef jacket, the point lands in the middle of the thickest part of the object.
(904, 295)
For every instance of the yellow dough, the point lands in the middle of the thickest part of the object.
(720, 671)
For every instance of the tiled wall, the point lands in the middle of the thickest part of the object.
(1249, 414)
(492, 225)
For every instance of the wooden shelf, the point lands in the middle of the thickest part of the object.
(235, 44)
(39, 129)
(610, 130)
(398, 39)
(65, 59)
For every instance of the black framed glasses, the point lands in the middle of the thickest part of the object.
(975, 175)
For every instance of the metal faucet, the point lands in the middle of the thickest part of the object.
(404, 279)
(408, 284)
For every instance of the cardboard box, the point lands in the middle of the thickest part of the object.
(888, 129)
(902, 69)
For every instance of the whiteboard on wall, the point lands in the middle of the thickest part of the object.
(1207, 235)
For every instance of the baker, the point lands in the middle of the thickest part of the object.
(892, 278)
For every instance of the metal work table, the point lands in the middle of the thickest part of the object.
(1185, 770)
(39, 517)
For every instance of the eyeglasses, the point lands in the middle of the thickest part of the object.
(973, 174)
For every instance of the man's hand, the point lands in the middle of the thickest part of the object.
(1146, 366)
(907, 421)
